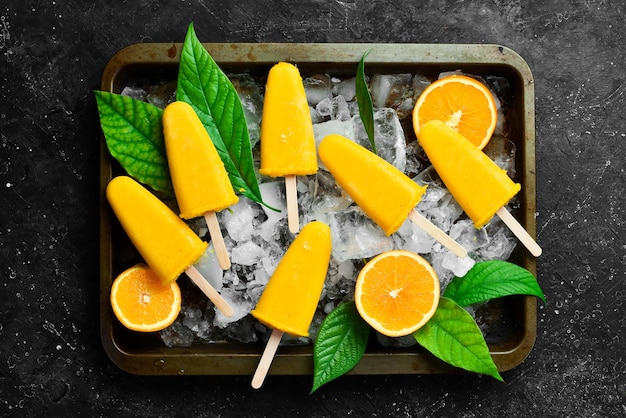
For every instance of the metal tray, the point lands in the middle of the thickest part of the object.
(514, 318)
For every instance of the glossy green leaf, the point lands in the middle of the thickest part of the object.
(364, 101)
(490, 280)
(453, 336)
(203, 85)
(134, 136)
(340, 344)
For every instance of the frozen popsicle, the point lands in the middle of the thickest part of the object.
(289, 301)
(384, 193)
(164, 240)
(479, 186)
(287, 140)
(199, 178)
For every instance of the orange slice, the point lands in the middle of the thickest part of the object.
(463, 103)
(142, 302)
(397, 292)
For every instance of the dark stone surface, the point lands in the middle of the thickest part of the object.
(51, 56)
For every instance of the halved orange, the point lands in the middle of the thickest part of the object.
(463, 103)
(397, 292)
(142, 302)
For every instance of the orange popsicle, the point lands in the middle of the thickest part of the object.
(287, 140)
(199, 178)
(384, 193)
(479, 186)
(164, 240)
(290, 298)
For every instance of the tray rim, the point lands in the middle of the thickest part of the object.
(165, 361)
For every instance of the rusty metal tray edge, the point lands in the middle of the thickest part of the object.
(239, 359)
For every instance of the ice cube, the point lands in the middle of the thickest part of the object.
(355, 236)
(346, 270)
(437, 259)
(464, 232)
(345, 88)
(340, 282)
(459, 266)
(241, 307)
(239, 219)
(328, 197)
(390, 90)
(413, 162)
(412, 238)
(162, 95)
(420, 82)
(177, 335)
(438, 206)
(388, 135)
(247, 254)
(136, 93)
(317, 87)
(322, 130)
(335, 108)
(501, 241)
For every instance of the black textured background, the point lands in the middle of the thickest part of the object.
(52, 54)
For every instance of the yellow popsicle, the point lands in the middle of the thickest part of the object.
(291, 296)
(383, 192)
(287, 139)
(199, 178)
(478, 185)
(163, 239)
(198, 175)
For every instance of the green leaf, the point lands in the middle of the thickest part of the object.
(203, 85)
(453, 336)
(364, 101)
(340, 344)
(134, 135)
(490, 280)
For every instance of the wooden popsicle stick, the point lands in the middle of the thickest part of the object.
(218, 240)
(217, 299)
(432, 230)
(291, 191)
(519, 231)
(266, 359)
